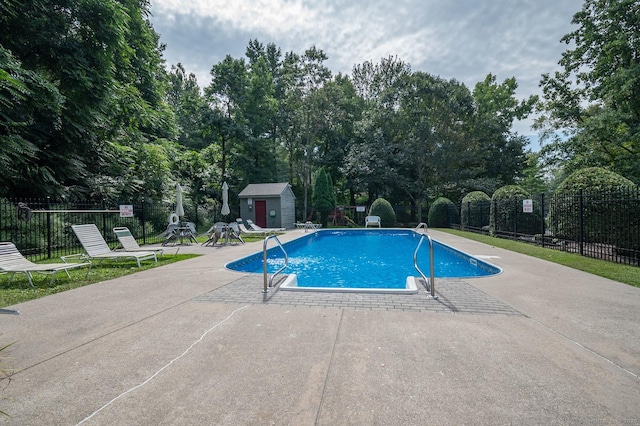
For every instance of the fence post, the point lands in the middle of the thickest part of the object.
(48, 227)
(581, 223)
(515, 217)
(544, 230)
(104, 220)
(144, 231)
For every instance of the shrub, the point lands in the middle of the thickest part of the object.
(607, 195)
(442, 213)
(382, 208)
(506, 214)
(475, 210)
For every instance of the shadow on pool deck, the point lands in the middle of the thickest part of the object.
(194, 343)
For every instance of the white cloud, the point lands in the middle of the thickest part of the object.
(461, 39)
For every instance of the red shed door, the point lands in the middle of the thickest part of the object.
(261, 212)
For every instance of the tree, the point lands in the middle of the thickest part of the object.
(189, 106)
(225, 94)
(323, 197)
(595, 99)
(435, 148)
(91, 86)
(500, 152)
(370, 159)
(31, 107)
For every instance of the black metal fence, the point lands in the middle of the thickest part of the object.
(603, 225)
(41, 228)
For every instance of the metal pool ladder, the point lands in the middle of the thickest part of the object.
(264, 262)
(429, 284)
(422, 225)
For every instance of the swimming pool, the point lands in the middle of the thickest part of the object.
(362, 260)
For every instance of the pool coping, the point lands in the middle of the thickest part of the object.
(291, 284)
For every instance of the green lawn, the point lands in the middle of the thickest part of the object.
(19, 291)
(617, 272)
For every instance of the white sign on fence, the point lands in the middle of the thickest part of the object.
(527, 206)
(126, 210)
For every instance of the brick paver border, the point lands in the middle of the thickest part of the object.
(454, 296)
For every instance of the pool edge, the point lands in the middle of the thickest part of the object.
(291, 284)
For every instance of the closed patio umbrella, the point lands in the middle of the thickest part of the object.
(179, 207)
(225, 199)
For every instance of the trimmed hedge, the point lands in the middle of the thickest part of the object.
(506, 212)
(603, 192)
(382, 208)
(442, 213)
(475, 210)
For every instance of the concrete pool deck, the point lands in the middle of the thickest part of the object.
(193, 343)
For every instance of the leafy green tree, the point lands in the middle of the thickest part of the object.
(323, 197)
(104, 61)
(534, 178)
(58, 44)
(371, 159)
(189, 106)
(595, 99)
(226, 93)
(500, 152)
(31, 107)
(434, 116)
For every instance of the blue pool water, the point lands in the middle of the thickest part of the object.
(376, 259)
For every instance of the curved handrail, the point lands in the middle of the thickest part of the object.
(429, 284)
(422, 225)
(264, 262)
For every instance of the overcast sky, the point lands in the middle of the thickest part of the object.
(461, 39)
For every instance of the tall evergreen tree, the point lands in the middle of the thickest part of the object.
(323, 198)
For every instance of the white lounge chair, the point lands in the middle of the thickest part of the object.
(308, 225)
(12, 261)
(244, 230)
(372, 221)
(96, 247)
(128, 243)
(258, 228)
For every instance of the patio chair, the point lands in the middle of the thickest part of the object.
(12, 261)
(372, 220)
(215, 233)
(234, 232)
(128, 243)
(96, 247)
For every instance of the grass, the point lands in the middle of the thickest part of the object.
(614, 271)
(19, 291)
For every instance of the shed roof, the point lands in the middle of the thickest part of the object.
(265, 189)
